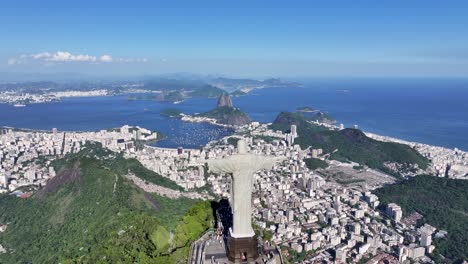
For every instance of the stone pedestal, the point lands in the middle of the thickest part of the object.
(243, 250)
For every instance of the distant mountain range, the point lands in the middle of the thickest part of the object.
(232, 85)
(172, 89)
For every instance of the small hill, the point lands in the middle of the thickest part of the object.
(174, 90)
(225, 113)
(91, 213)
(207, 91)
(171, 96)
(319, 117)
(228, 116)
(170, 112)
(168, 84)
(351, 144)
(238, 93)
(284, 121)
(312, 114)
(443, 203)
(231, 85)
(354, 145)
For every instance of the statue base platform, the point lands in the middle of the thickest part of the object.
(243, 249)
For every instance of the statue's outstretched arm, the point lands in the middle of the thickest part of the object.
(220, 166)
(253, 163)
(269, 162)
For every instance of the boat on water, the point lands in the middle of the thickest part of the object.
(19, 105)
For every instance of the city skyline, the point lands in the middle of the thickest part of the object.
(294, 39)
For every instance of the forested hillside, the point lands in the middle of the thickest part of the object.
(90, 212)
(349, 144)
(443, 203)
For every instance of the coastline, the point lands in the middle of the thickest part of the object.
(212, 121)
(445, 162)
(10, 111)
(200, 119)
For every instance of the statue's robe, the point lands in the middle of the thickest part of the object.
(242, 167)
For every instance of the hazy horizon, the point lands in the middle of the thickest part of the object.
(7, 77)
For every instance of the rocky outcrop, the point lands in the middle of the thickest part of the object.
(234, 118)
(228, 116)
(224, 100)
(225, 113)
(322, 118)
(237, 120)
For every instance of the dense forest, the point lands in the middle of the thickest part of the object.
(91, 213)
(313, 163)
(443, 203)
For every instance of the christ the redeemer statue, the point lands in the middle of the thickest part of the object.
(242, 166)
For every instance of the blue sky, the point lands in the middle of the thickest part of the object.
(237, 38)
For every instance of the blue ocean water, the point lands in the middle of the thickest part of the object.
(428, 111)
(95, 113)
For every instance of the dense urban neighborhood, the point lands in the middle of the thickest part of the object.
(313, 208)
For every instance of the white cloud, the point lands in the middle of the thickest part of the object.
(37, 56)
(65, 56)
(106, 58)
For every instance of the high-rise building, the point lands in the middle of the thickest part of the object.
(3, 179)
(340, 253)
(372, 199)
(337, 204)
(294, 130)
(137, 134)
(51, 171)
(415, 252)
(315, 153)
(30, 175)
(266, 215)
(201, 171)
(402, 253)
(426, 239)
(394, 211)
(290, 215)
(357, 228)
(290, 139)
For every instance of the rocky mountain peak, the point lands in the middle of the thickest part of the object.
(224, 100)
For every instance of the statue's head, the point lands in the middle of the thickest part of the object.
(241, 146)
